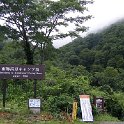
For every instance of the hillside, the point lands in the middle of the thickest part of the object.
(93, 65)
(102, 55)
(97, 51)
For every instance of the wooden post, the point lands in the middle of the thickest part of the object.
(4, 86)
(35, 88)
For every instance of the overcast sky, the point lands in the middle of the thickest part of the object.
(105, 12)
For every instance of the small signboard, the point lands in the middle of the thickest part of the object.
(22, 71)
(34, 103)
(99, 103)
(86, 108)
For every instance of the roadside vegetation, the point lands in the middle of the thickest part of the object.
(93, 65)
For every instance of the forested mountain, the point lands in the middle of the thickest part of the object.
(102, 55)
(97, 51)
(92, 65)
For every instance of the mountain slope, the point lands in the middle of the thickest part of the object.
(104, 49)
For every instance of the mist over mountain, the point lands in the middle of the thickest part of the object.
(61, 42)
(104, 48)
(97, 31)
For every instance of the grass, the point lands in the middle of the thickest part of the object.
(21, 115)
(38, 122)
(21, 120)
(105, 117)
(17, 118)
(9, 117)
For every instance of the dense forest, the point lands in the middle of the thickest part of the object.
(92, 65)
(102, 56)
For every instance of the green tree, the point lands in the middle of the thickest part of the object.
(61, 87)
(11, 53)
(74, 60)
(108, 76)
(37, 22)
(87, 57)
(100, 58)
(115, 105)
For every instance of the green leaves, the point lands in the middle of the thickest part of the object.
(61, 87)
(41, 21)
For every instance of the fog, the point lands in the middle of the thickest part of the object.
(104, 12)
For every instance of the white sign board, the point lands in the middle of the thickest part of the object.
(86, 108)
(34, 103)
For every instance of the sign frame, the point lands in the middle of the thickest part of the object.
(99, 103)
(9, 71)
(13, 71)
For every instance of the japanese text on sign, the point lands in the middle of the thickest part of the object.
(34, 103)
(86, 108)
(21, 71)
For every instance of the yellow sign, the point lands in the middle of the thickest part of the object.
(74, 112)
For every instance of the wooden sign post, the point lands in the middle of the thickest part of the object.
(20, 72)
(4, 87)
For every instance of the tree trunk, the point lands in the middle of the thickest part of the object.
(27, 50)
(27, 46)
(28, 53)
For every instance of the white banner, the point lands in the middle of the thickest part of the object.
(86, 108)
